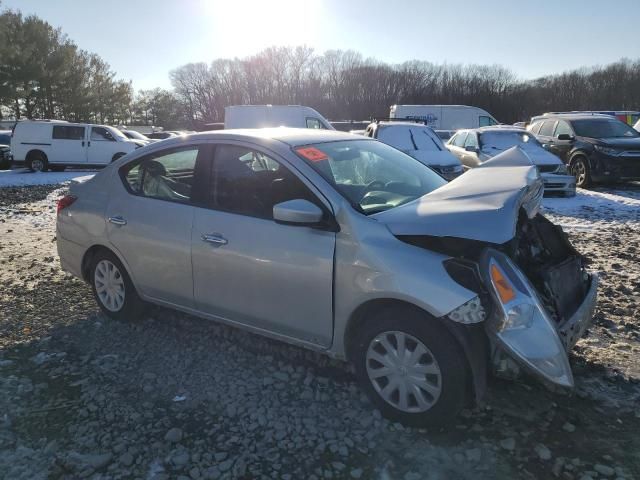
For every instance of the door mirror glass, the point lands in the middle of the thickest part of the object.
(564, 136)
(297, 212)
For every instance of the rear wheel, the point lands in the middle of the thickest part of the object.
(113, 289)
(37, 162)
(411, 367)
(581, 170)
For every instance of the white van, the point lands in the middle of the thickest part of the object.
(265, 116)
(445, 117)
(54, 144)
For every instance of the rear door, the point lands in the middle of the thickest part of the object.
(545, 135)
(470, 156)
(251, 270)
(68, 144)
(149, 219)
(456, 144)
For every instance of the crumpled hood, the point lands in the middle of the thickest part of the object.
(483, 204)
(444, 158)
(537, 155)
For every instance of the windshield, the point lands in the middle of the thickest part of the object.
(373, 176)
(603, 128)
(134, 134)
(411, 138)
(496, 140)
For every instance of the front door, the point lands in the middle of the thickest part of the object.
(68, 145)
(149, 219)
(249, 269)
(102, 146)
(561, 148)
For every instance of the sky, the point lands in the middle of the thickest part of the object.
(144, 40)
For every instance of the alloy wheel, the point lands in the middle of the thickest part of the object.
(109, 285)
(37, 165)
(404, 372)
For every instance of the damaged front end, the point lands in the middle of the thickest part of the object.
(544, 299)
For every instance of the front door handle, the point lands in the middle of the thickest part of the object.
(117, 220)
(214, 238)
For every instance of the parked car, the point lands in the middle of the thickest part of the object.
(596, 148)
(265, 116)
(445, 134)
(473, 147)
(343, 245)
(160, 135)
(445, 117)
(627, 116)
(350, 125)
(44, 144)
(5, 150)
(134, 135)
(420, 142)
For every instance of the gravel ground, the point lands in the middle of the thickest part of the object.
(172, 396)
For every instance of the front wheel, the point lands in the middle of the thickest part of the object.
(113, 289)
(581, 170)
(411, 367)
(37, 162)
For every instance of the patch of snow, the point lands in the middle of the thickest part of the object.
(23, 177)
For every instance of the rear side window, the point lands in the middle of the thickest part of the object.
(65, 132)
(535, 127)
(547, 128)
(248, 182)
(167, 176)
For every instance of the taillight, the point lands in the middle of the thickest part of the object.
(65, 201)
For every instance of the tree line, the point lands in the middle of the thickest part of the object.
(44, 74)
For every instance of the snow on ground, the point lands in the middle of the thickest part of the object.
(23, 177)
(592, 210)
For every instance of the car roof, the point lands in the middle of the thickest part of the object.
(573, 116)
(501, 128)
(290, 136)
(402, 124)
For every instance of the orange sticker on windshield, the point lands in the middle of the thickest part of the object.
(312, 153)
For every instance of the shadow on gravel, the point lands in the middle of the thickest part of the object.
(242, 406)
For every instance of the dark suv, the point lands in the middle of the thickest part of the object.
(597, 148)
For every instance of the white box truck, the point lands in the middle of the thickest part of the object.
(265, 116)
(445, 117)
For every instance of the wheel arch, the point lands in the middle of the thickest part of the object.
(88, 256)
(471, 339)
(33, 152)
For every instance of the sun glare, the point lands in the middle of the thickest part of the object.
(247, 26)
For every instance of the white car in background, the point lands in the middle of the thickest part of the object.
(474, 147)
(55, 144)
(418, 141)
(637, 126)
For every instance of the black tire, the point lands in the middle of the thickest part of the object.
(132, 306)
(443, 348)
(37, 162)
(117, 156)
(581, 170)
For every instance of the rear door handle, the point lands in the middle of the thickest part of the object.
(117, 220)
(214, 239)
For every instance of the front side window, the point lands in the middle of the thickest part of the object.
(66, 132)
(547, 128)
(101, 134)
(471, 141)
(372, 176)
(165, 176)
(248, 182)
(458, 139)
(562, 128)
(314, 123)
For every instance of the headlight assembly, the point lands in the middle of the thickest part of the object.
(521, 324)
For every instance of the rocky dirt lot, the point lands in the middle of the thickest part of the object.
(173, 396)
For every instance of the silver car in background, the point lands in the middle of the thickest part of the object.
(476, 146)
(343, 245)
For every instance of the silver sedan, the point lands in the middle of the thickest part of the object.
(343, 245)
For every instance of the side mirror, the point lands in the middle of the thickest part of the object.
(297, 212)
(470, 148)
(565, 136)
